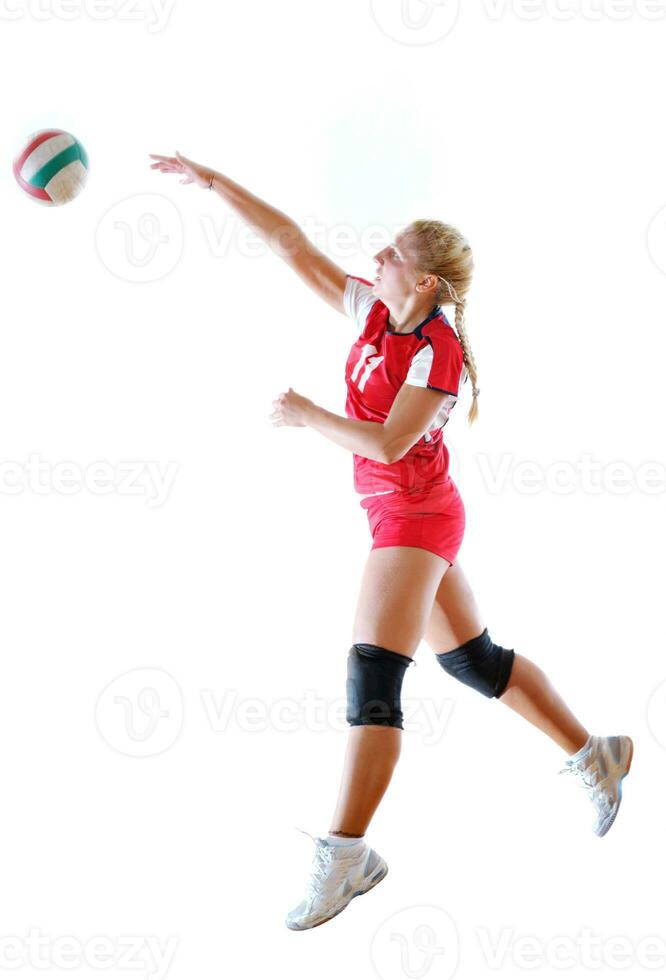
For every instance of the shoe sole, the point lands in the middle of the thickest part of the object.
(619, 788)
(362, 891)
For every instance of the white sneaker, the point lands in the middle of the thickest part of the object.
(339, 873)
(601, 767)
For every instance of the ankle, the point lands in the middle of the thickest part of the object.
(583, 749)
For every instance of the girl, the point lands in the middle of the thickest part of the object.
(403, 375)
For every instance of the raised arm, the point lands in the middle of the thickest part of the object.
(276, 228)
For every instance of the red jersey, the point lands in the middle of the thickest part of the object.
(379, 363)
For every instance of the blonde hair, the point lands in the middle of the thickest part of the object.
(441, 250)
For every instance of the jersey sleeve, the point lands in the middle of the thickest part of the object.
(439, 365)
(358, 300)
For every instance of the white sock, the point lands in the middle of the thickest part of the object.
(583, 750)
(338, 841)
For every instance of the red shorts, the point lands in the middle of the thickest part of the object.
(433, 519)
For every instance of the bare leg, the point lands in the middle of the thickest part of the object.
(372, 753)
(531, 694)
(455, 618)
(397, 593)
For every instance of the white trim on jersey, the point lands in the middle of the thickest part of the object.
(358, 300)
(418, 374)
(419, 370)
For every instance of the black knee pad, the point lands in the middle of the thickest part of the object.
(374, 683)
(480, 664)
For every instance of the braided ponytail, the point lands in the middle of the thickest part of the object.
(470, 363)
(442, 250)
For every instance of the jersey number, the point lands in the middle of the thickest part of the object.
(370, 366)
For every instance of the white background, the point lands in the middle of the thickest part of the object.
(540, 135)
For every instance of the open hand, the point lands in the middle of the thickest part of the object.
(193, 173)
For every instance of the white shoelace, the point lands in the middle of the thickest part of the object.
(589, 776)
(325, 854)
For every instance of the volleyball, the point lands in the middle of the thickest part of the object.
(52, 167)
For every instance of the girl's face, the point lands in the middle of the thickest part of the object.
(396, 276)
